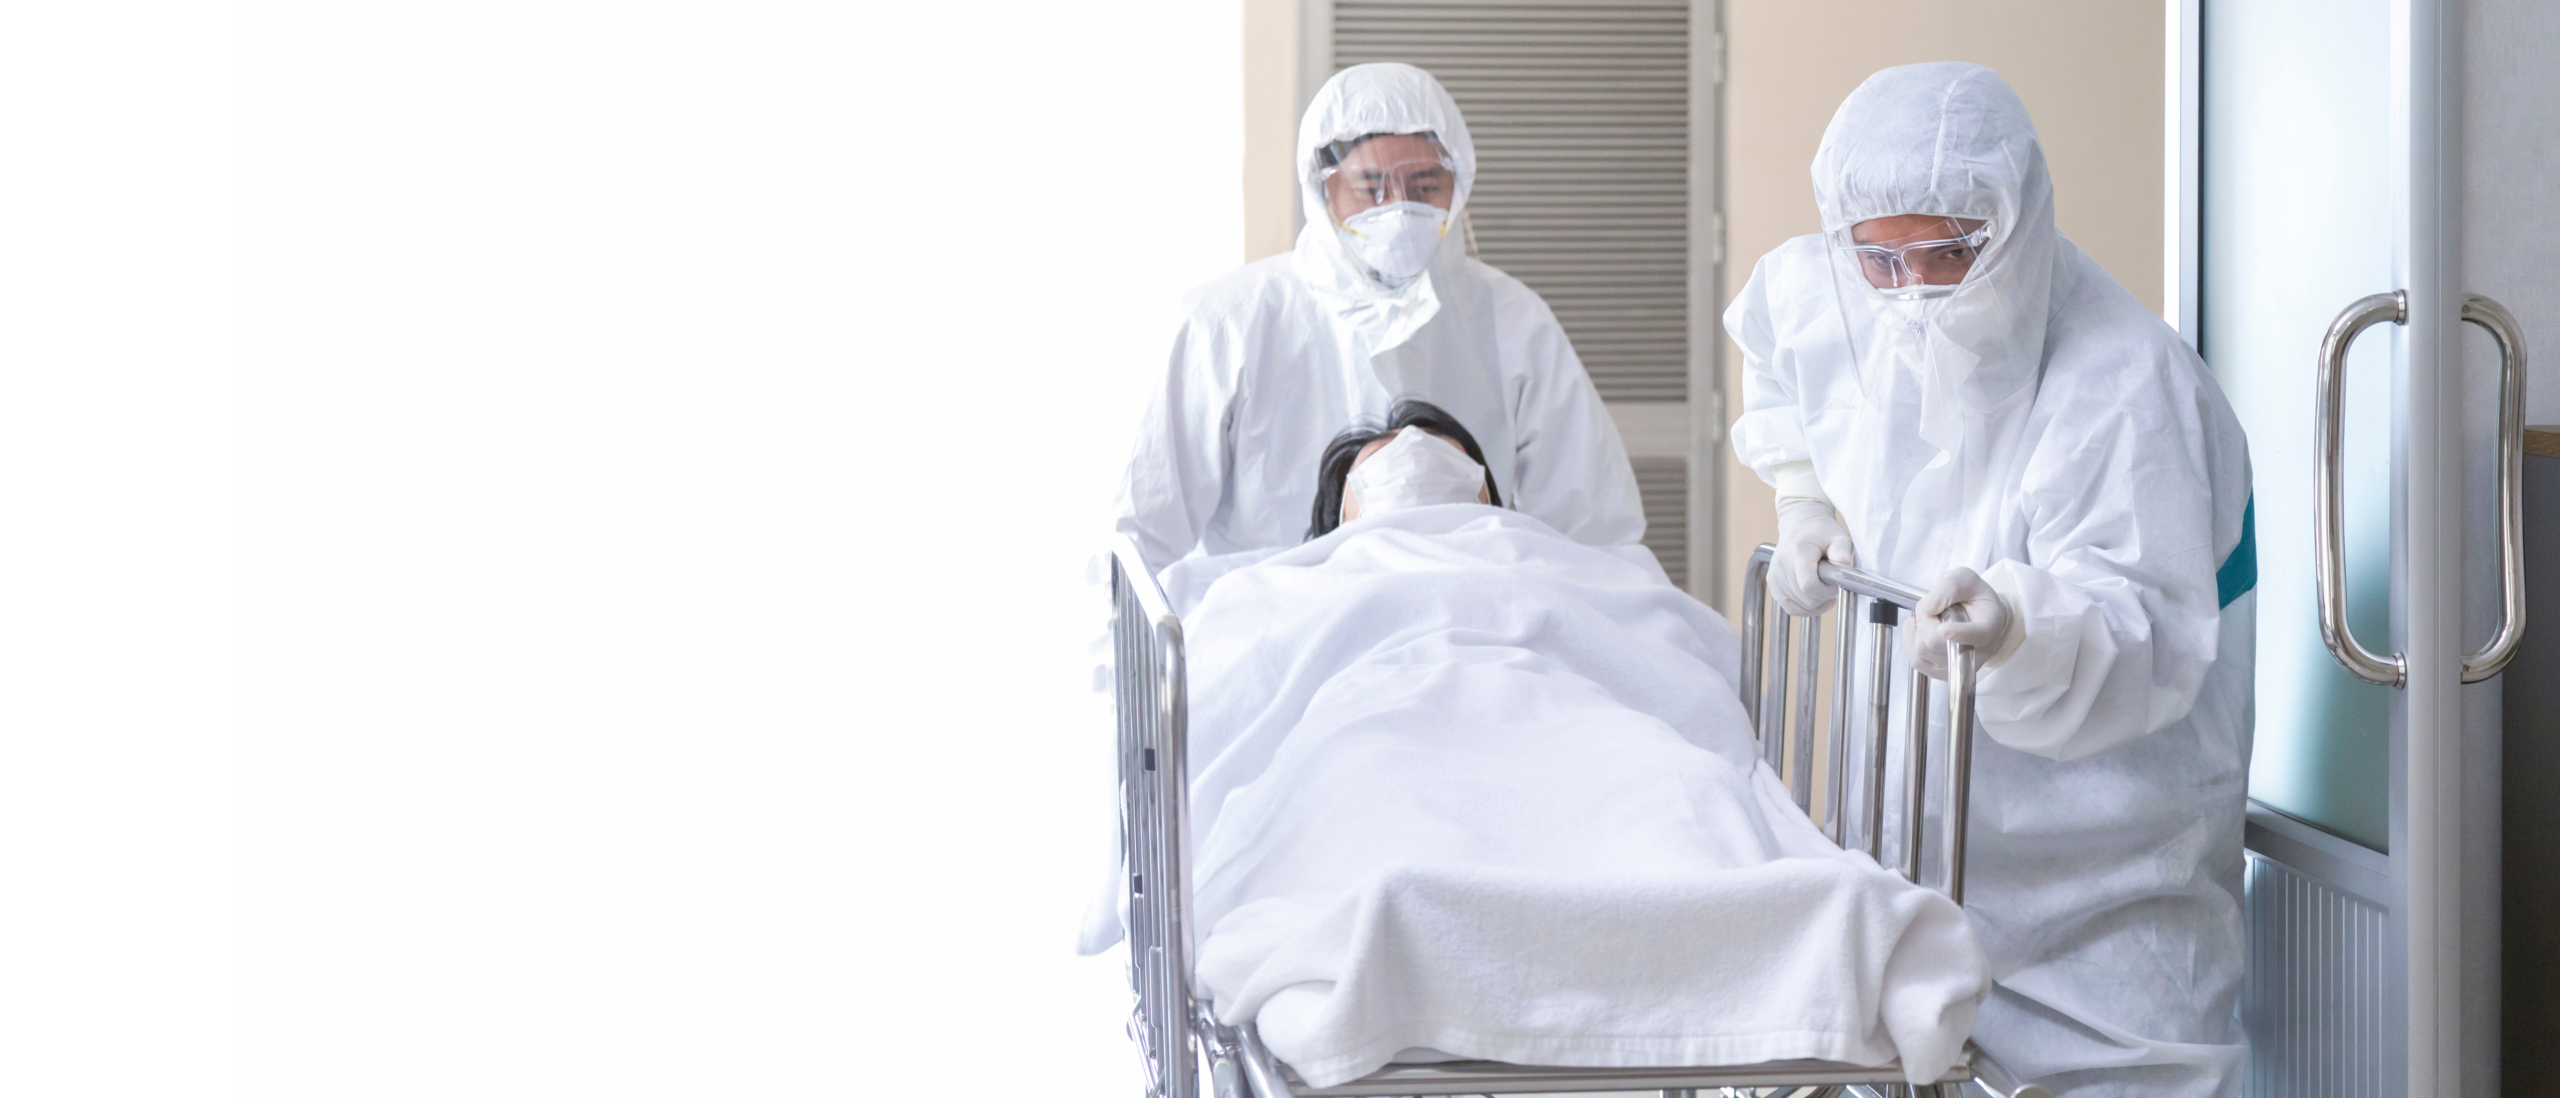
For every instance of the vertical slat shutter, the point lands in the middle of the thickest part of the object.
(1664, 484)
(1580, 114)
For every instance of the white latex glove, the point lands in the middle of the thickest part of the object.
(1979, 619)
(1809, 532)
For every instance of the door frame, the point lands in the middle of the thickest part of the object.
(2441, 892)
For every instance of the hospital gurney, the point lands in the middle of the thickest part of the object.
(1175, 1033)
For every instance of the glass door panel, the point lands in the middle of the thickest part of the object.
(2296, 177)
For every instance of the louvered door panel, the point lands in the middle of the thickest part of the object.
(2314, 1001)
(1580, 114)
(1664, 484)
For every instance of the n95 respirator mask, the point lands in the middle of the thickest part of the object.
(1416, 469)
(1396, 240)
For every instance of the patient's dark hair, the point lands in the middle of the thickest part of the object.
(1335, 467)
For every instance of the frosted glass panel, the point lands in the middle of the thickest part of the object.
(2296, 224)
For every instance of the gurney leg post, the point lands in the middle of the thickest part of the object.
(1773, 699)
(1260, 1069)
(1960, 710)
(1808, 692)
(1915, 777)
(1881, 616)
(1225, 1052)
(1844, 651)
(1224, 1078)
(1755, 619)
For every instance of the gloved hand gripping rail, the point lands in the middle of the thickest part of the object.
(1766, 667)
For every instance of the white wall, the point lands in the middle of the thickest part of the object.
(117, 852)
(1272, 79)
(669, 440)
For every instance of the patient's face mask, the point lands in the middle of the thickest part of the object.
(1415, 469)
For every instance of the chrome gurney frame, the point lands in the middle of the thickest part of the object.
(1155, 820)
(1175, 1033)
(1767, 674)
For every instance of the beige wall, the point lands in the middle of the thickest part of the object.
(1270, 126)
(2089, 71)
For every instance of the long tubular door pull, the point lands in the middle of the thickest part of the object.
(2492, 657)
(2328, 527)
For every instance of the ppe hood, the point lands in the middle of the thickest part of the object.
(1359, 101)
(1946, 139)
(1380, 98)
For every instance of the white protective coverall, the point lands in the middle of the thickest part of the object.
(1276, 358)
(2044, 428)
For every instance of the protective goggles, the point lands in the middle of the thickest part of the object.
(1926, 264)
(1384, 169)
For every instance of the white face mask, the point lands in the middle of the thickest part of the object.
(1397, 239)
(1944, 339)
(1417, 469)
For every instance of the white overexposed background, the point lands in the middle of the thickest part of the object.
(543, 544)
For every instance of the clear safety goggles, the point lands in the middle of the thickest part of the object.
(1382, 169)
(1929, 263)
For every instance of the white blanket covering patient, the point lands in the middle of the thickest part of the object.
(1461, 784)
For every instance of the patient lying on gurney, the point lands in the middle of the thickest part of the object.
(1462, 784)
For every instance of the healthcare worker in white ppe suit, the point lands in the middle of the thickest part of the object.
(1378, 302)
(1945, 391)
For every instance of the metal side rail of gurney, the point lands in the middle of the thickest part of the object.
(1177, 1036)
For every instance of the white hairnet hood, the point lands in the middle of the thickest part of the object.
(1948, 139)
(1358, 101)
(1379, 98)
(1945, 138)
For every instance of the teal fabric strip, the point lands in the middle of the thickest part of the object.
(2239, 571)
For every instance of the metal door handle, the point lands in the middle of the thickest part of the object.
(2501, 325)
(2328, 526)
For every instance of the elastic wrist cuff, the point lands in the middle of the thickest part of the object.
(2004, 583)
(1795, 480)
(2008, 640)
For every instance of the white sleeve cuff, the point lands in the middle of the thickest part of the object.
(1795, 480)
(2004, 580)
(2039, 695)
(2016, 632)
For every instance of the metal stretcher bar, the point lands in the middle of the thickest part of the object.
(1476, 1077)
(1769, 675)
(1175, 1034)
(1155, 820)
